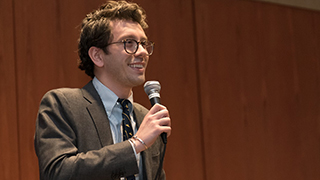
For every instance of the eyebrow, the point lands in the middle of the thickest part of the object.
(134, 37)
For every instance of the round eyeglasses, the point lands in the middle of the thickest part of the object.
(131, 46)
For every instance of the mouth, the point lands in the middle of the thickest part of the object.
(137, 65)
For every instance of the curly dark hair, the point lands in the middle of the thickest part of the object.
(96, 31)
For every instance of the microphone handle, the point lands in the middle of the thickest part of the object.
(154, 101)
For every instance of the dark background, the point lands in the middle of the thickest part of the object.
(241, 80)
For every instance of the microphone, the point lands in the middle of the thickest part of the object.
(152, 88)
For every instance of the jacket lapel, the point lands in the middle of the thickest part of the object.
(98, 114)
(138, 114)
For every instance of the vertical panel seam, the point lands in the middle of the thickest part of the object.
(16, 84)
(198, 85)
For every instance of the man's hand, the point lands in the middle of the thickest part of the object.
(156, 121)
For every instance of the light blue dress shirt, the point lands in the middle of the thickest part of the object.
(114, 112)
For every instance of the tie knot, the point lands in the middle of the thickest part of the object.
(126, 104)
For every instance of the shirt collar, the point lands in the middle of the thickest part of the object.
(108, 97)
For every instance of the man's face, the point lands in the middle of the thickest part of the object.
(121, 68)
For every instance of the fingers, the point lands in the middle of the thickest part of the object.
(159, 111)
(164, 121)
(162, 118)
(157, 107)
(156, 121)
(166, 129)
(161, 115)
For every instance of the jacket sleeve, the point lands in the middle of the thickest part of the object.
(56, 145)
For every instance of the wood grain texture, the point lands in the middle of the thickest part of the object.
(240, 78)
(9, 157)
(260, 63)
(305, 4)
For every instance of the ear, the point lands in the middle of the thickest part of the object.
(96, 56)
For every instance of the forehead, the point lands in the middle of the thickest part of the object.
(121, 29)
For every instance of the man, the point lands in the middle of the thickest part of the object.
(81, 133)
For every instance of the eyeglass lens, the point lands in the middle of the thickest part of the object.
(131, 46)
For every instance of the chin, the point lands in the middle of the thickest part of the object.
(138, 82)
(141, 82)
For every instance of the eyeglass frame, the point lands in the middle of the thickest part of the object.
(138, 44)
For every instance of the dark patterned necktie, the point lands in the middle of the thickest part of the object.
(126, 124)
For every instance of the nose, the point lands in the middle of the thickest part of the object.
(141, 51)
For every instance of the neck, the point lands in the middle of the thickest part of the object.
(121, 91)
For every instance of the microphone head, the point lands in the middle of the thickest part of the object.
(152, 88)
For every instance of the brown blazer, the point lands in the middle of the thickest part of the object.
(73, 139)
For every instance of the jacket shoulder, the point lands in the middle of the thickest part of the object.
(61, 93)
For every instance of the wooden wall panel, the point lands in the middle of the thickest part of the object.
(9, 158)
(260, 94)
(308, 4)
(306, 48)
(241, 81)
